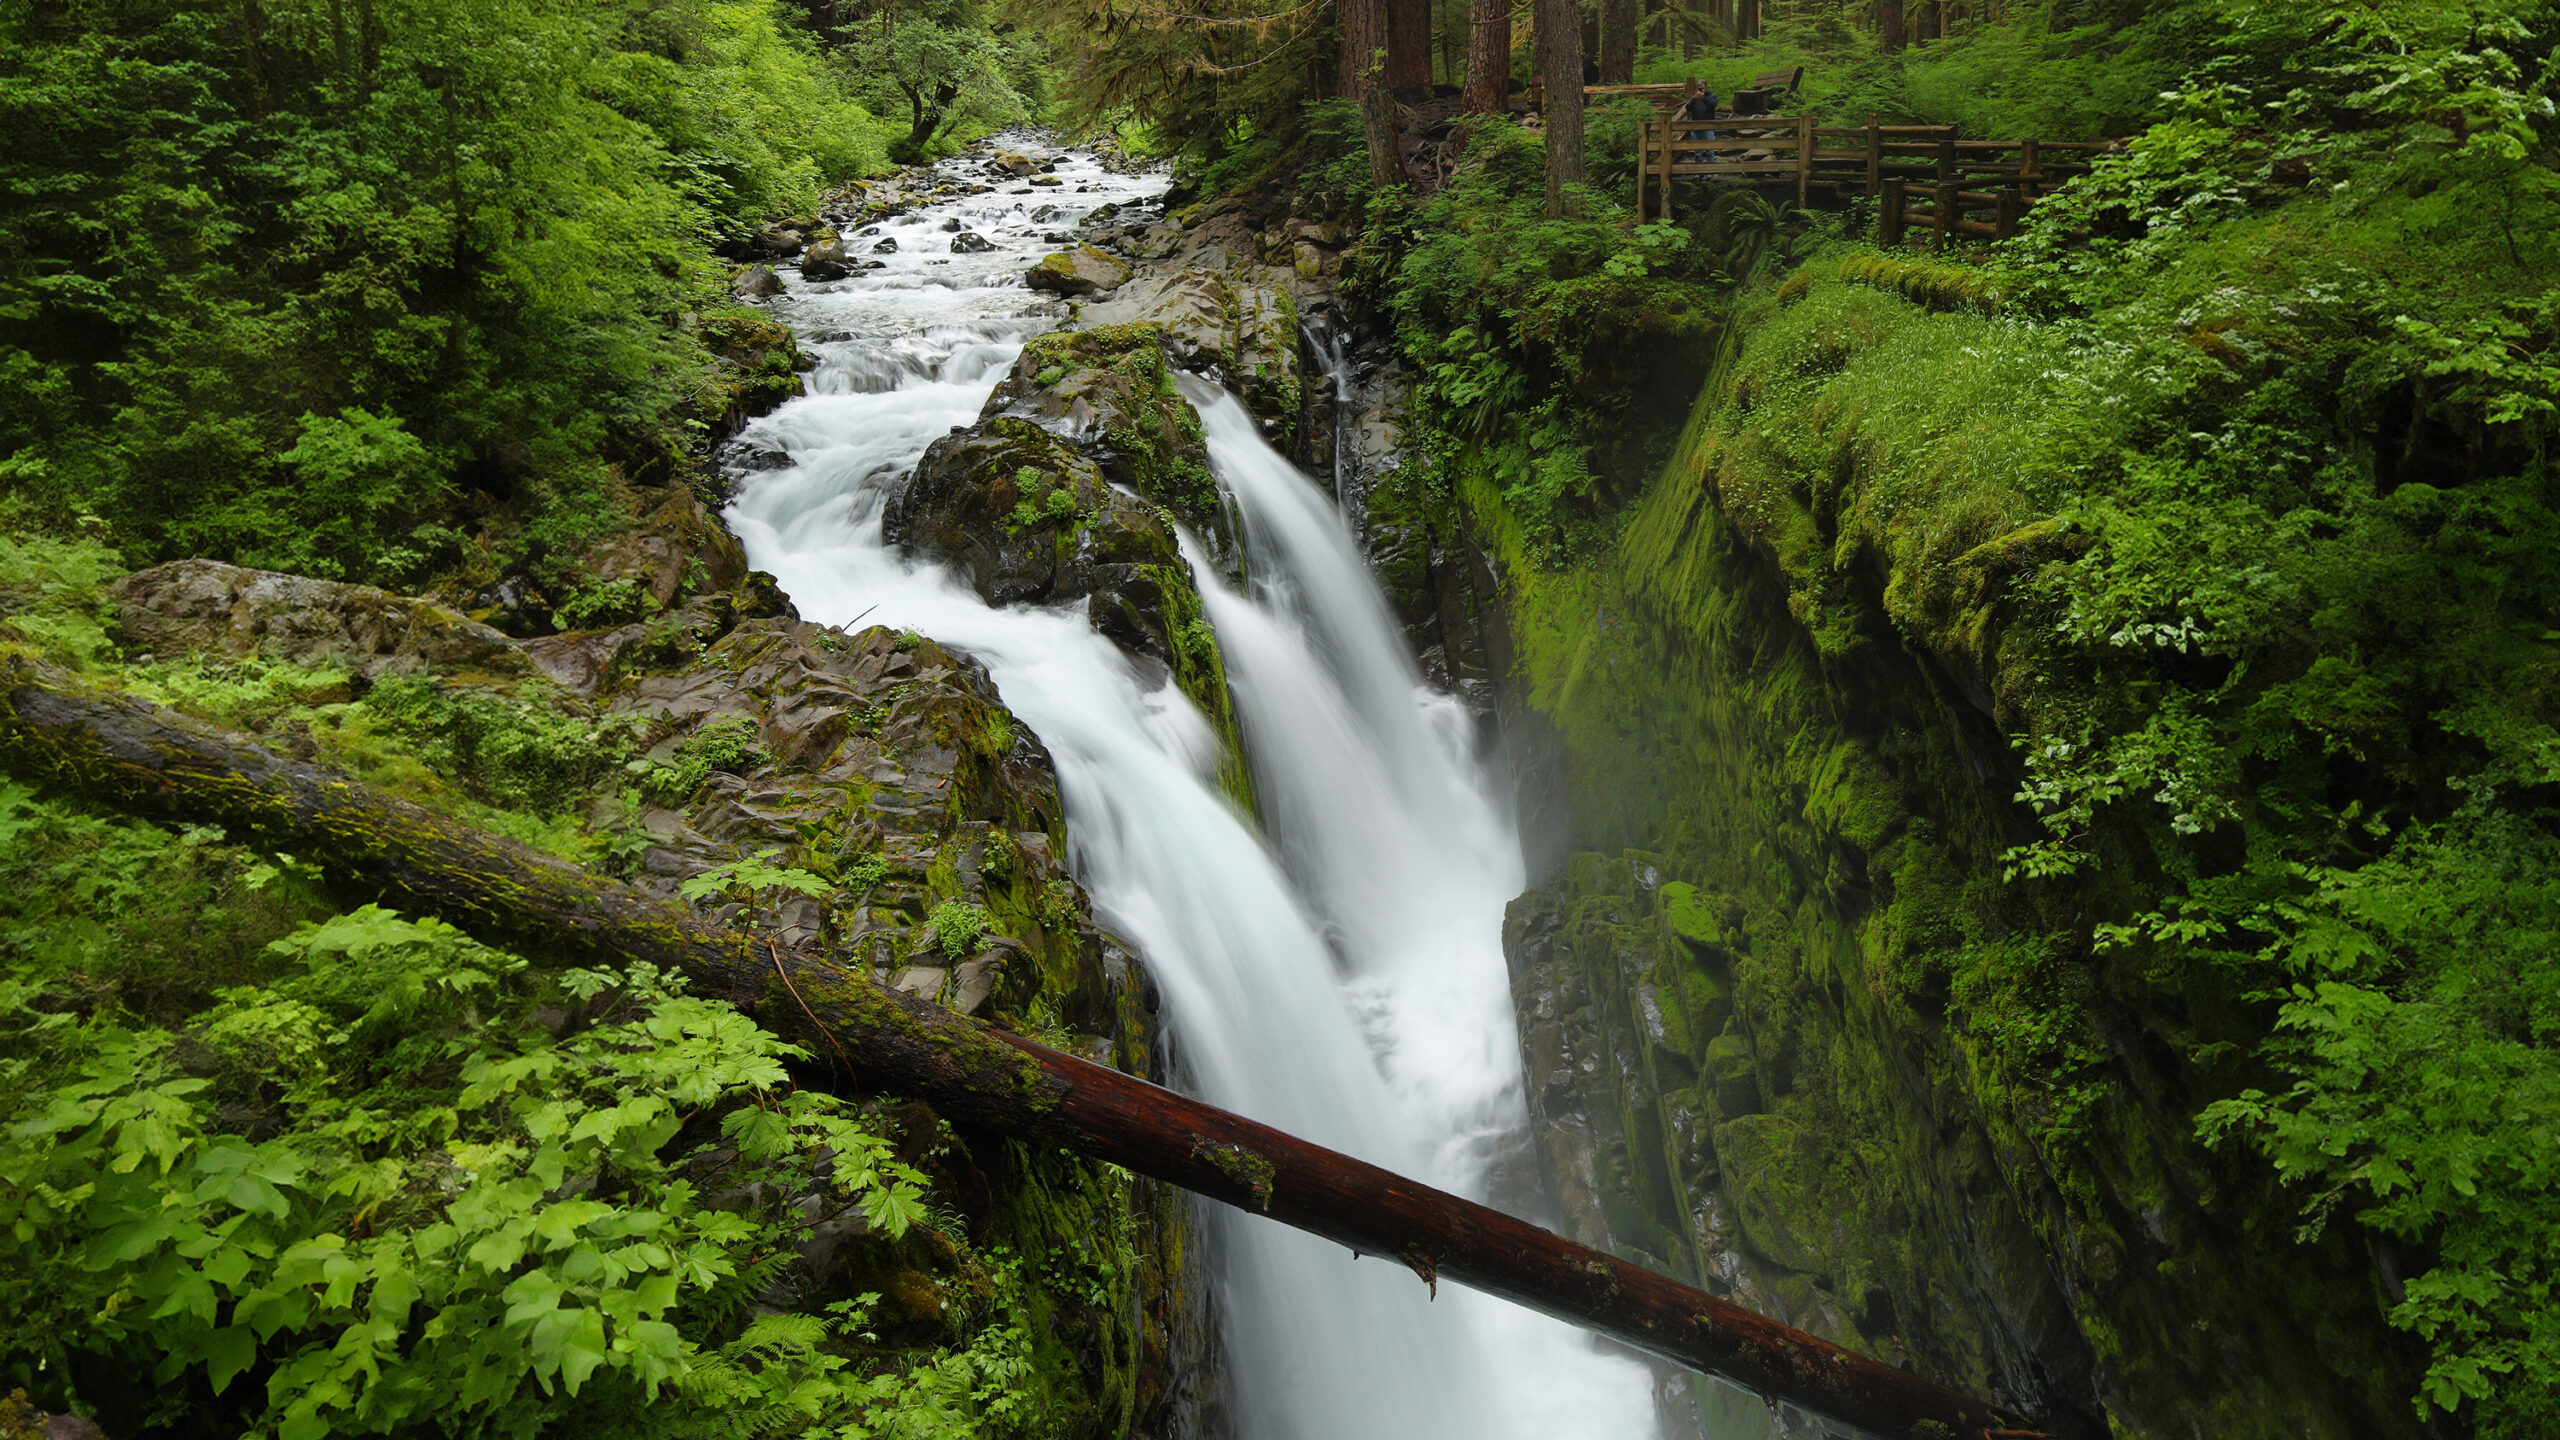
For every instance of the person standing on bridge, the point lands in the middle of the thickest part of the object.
(1698, 108)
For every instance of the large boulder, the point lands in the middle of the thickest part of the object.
(205, 607)
(970, 242)
(1068, 489)
(1081, 271)
(1111, 389)
(755, 282)
(1029, 518)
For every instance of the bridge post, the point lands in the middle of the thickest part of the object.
(2012, 207)
(2029, 172)
(1644, 157)
(1950, 205)
(1669, 157)
(1889, 217)
(1875, 155)
(1804, 157)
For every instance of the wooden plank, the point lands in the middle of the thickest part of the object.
(1978, 227)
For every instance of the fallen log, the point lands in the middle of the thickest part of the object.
(144, 758)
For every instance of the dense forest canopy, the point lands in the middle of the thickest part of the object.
(2255, 421)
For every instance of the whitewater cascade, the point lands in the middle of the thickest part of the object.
(1338, 975)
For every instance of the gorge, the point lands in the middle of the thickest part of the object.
(648, 657)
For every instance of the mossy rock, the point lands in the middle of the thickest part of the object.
(1081, 271)
(1111, 389)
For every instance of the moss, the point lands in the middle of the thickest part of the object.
(1245, 1167)
(1787, 682)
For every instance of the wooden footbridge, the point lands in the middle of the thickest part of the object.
(1926, 178)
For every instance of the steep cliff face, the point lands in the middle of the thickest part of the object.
(1790, 1032)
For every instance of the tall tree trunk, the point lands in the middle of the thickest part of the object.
(1746, 20)
(1560, 72)
(1489, 56)
(1617, 41)
(1924, 25)
(1891, 33)
(148, 759)
(1409, 49)
(1364, 44)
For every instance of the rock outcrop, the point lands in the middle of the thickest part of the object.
(189, 607)
(1242, 330)
(1069, 488)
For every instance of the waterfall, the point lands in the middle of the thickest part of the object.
(1332, 349)
(1340, 976)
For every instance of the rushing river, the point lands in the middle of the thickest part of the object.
(1337, 972)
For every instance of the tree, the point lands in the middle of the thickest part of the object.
(939, 64)
(1488, 56)
(1891, 35)
(1617, 41)
(1560, 71)
(1409, 49)
(1364, 47)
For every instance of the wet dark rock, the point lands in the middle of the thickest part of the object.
(755, 282)
(1068, 488)
(826, 261)
(969, 242)
(887, 246)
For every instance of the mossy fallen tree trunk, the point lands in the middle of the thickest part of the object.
(147, 759)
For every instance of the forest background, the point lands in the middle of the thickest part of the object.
(406, 293)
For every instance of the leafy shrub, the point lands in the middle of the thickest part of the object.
(518, 753)
(611, 602)
(730, 743)
(956, 927)
(375, 1176)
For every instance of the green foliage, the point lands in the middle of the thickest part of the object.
(286, 291)
(521, 752)
(362, 1175)
(751, 877)
(946, 70)
(1043, 502)
(1551, 347)
(53, 593)
(2420, 1014)
(956, 927)
(612, 602)
(731, 743)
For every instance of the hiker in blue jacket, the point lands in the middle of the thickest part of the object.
(1700, 106)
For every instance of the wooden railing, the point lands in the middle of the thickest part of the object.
(1925, 176)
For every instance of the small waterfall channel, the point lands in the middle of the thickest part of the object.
(1337, 972)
